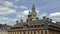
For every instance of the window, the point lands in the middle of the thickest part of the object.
(34, 32)
(41, 32)
(38, 32)
(31, 32)
(24, 32)
(45, 32)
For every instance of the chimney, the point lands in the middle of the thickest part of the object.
(37, 18)
(50, 20)
(44, 17)
(21, 20)
(28, 21)
(47, 19)
(17, 22)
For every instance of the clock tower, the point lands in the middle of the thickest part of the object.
(34, 13)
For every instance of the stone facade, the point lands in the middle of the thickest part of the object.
(34, 25)
(4, 28)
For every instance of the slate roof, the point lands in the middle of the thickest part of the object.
(47, 24)
(5, 26)
(37, 22)
(19, 24)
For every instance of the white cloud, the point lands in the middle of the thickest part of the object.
(16, 6)
(43, 14)
(19, 16)
(55, 16)
(54, 21)
(26, 12)
(9, 21)
(16, 0)
(7, 3)
(23, 7)
(6, 10)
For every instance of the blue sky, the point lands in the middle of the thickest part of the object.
(12, 10)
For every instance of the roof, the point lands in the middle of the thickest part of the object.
(37, 22)
(5, 26)
(19, 24)
(47, 24)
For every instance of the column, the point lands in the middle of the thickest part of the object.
(19, 32)
(29, 32)
(14, 32)
(8, 32)
(47, 31)
(26, 32)
(37, 32)
(43, 31)
(40, 32)
(32, 32)
(22, 32)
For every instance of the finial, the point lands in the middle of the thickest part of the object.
(17, 22)
(29, 13)
(21, 19)
(33, 6)
(44, 17)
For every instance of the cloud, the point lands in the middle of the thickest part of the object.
(7, 3)
(19, 16)
(9, 21)
(54, 21)
(41, 15)
(16, 0)
(26, 12)
(55, 16)
(15, 6)
(23, 7)
(6, 10)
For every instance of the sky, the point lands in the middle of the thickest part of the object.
(12, 10)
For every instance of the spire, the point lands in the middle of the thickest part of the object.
(33, 7)
(17, 22)
(29, 13)
(21, 20)
(33, 13)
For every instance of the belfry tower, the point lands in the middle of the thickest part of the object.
(32, 16)
(34, 13)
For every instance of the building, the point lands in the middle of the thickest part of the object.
(34, 25)
(4, 28)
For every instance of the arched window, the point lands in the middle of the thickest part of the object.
(38, 32)
(23, 32)
(45, 32)
(34, 32)
(41, 32)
